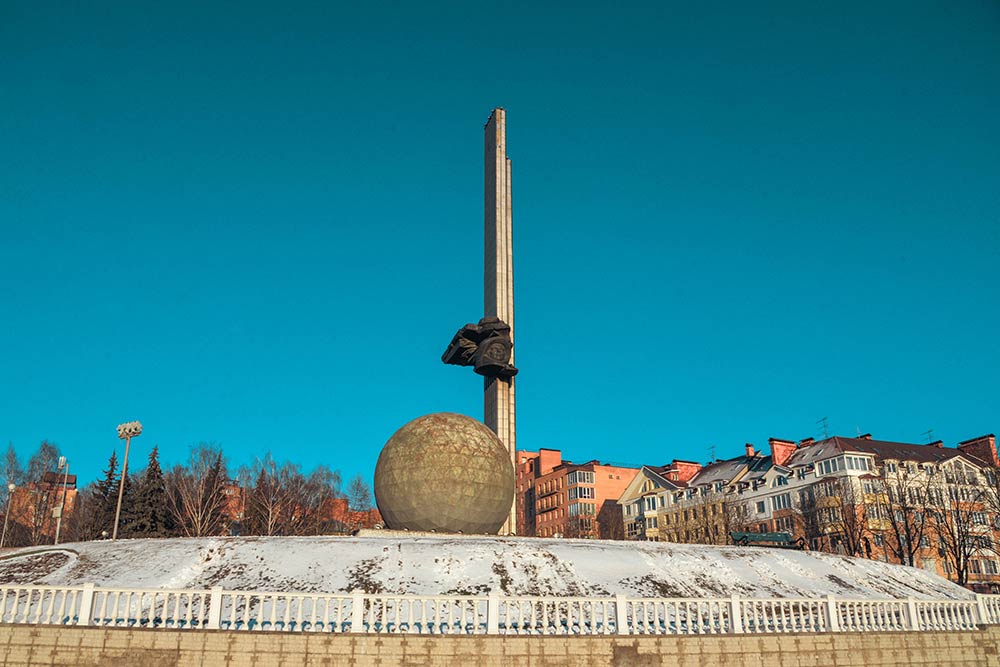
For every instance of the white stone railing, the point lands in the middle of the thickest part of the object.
(218, 609)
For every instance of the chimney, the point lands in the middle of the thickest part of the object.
(937, 443)
(750, 449)
(781, 450)
(865, 436)
(806, 442)
(984, 447)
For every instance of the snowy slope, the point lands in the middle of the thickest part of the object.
(463, 564)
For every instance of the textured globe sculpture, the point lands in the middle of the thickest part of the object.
(447, 473)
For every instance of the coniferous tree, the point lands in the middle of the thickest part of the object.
(104, 499)
(126, 517)
(148, 510)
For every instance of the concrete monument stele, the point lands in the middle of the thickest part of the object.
(489, 345)
(450, 473)
(447, 473)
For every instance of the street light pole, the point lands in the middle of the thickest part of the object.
(126, 432)
(63, 463)
(6, 517)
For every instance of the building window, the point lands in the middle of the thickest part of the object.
(584, 492)
(990, 566)
(760, 507)
(890, 467)
(781, 502)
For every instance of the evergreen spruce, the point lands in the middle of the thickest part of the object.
(105, 498)
(148, 510)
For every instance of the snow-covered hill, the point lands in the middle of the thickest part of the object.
(428, 565)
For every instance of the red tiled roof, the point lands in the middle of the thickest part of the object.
(881, 449)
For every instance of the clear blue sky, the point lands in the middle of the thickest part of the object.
(260, 225)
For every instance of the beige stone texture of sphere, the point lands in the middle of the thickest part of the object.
(447, 473)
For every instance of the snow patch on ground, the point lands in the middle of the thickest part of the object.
(434, 565)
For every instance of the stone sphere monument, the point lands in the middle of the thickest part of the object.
(447, 473)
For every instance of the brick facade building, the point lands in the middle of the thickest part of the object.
(557, 498)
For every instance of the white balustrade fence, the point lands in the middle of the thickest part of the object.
(218, 609)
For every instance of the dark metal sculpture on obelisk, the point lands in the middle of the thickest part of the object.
(489, 345)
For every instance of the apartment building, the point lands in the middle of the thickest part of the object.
(928, 506)
(557, 498)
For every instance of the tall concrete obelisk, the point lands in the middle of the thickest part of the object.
(499, 283)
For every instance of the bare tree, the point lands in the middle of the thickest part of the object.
(806, 512)
(962, 500)
(610, 523)
(196, 492)
(281, 500)
(310, 496)
(908, 491)
(736, 515)
(268, 503)
(990, 498)
(359, 495)
(959, 540)
(43, 492)
(80, 524)
(853, 511)
(12, 472)
(703, 520)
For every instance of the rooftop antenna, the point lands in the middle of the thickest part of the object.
(858, 429)
(930, 435)
(825, 426)
(711, 452)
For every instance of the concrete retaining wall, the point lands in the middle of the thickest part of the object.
(109, 647)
